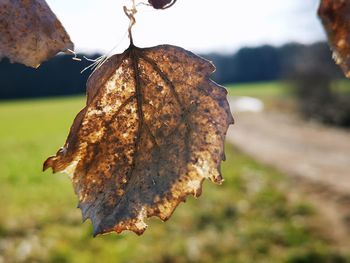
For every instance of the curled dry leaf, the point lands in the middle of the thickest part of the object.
(152, 130)
(162, 4)
(335, 15)
(30, 33)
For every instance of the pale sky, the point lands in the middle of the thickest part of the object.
(197, 25)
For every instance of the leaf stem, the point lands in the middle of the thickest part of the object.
(130, 13)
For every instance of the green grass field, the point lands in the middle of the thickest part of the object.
(248, 219)
(280, 96)
(275, 95)
(277, 90)
(264, 90)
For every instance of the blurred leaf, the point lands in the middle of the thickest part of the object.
(30, 32)
(335, 16)
(152, 130)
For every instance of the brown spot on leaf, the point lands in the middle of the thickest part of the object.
(150, 149)
(30, 32)
(335, 15)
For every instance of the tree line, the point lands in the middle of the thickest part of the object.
(62, 76)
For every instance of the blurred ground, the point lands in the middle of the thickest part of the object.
(316, 157)
(297, 147)
(257, 215)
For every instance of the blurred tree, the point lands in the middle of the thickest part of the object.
(60, 76)
(56, 77)
(315, 77)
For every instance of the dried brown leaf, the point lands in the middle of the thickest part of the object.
(335, 15)
(152, 130)
(30, 33)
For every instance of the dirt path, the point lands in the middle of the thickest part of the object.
(316, 157)
(311, 151)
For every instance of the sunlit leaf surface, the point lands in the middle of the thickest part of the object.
(30, 33)
(335, 15)
(152, 130)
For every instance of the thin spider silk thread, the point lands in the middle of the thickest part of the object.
(97, 63)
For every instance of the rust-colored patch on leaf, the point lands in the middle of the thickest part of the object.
(152, 130)
(30, 33)
(335, 15)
